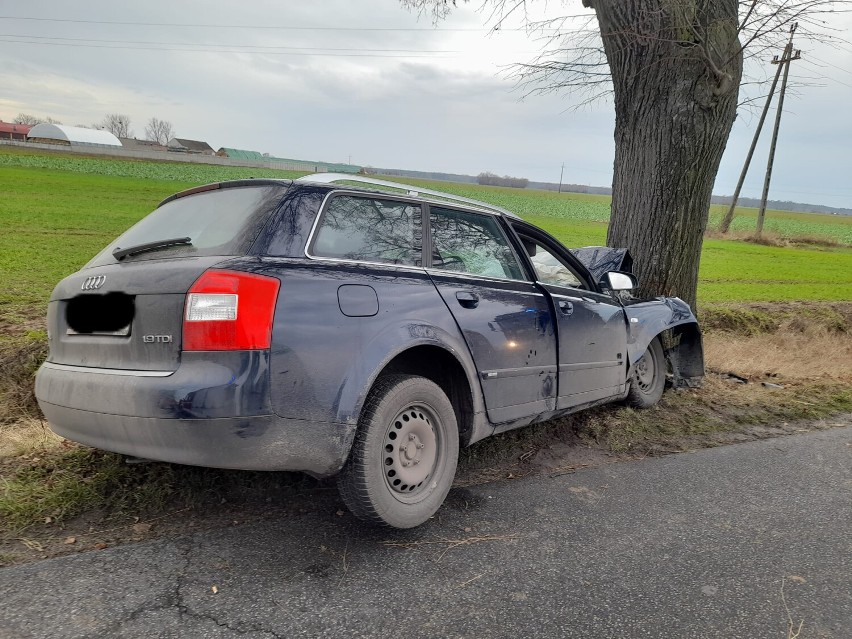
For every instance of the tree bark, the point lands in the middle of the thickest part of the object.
(676, 68)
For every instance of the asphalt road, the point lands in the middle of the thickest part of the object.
(691, 545)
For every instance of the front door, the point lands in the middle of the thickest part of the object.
(592, 332)
(506, 320)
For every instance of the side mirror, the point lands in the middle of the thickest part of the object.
(619, 281)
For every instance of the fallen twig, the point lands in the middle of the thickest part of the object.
(449, 543)
(791, 634)
(560, 472)
(470, 581)
(345, 567)
(136, 523)
(31, 544)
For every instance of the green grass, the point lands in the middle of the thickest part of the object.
(146, 169)
(741, 271)
(61, 486)
(63, 482)
(731, 271)
(788, 223)
(58, 210)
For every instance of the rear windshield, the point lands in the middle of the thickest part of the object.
(219, 222)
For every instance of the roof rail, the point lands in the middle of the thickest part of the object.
(414, 191)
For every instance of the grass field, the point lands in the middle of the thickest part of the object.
(58, 210)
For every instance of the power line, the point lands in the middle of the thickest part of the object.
(822, 76)
(260, 26)
(291, 53)
(832, 65)
(219, 45)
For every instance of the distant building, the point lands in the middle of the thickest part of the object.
(190, 146)
(11, 131)
(240, 154)
(71, 135)
(141, 145)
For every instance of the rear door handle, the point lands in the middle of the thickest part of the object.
(567, 308)
(468, 299)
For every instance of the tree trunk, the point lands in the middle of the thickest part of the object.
(676, 67)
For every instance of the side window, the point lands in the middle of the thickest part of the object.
(470, 243)
(549, 268)
(371, 230)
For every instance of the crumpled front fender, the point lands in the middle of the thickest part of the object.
(684, 349)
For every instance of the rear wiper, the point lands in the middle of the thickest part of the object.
(121, 253)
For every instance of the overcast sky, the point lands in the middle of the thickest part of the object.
(335, 80)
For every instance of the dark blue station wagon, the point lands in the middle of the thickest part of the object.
(361, 332)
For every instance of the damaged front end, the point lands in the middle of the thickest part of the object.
(600, 260)
(672, 320)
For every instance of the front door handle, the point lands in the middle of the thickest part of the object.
(468, 299)
(567, 308)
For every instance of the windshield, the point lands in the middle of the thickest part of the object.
(223, 221)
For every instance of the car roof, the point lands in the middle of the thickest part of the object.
(331, 179)
(409, 190)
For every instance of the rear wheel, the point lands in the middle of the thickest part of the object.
(405, 453)
(649, 377)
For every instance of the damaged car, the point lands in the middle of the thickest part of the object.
(344, 326)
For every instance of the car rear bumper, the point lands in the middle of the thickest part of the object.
(206, 385)
(201, 414)
(264, 442)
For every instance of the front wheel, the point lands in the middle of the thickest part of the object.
(404, 457)
(649, 377)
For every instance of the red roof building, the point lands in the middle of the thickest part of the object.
(10, 131)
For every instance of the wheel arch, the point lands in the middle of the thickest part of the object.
(434, 354)
(441, 367)
(671, 320)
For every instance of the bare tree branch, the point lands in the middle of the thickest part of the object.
(118, 124)
(573, 58)
(32, 120)
(159, 131)
(674, 70)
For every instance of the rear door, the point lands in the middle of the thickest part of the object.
(592, 331)
(505, 319)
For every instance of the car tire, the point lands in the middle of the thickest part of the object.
(404, 456)
(648, 379)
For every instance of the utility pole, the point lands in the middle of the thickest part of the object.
(561, 171)
(785, 62)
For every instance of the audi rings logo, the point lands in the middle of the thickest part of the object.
(91, 283)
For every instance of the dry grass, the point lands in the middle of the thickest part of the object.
(19, 359)
(785, 354)
(27, 437)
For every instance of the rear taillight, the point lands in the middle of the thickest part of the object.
(229, 310)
